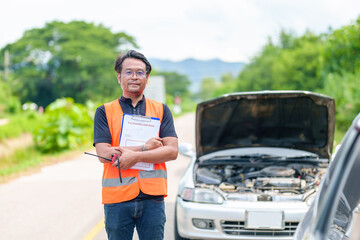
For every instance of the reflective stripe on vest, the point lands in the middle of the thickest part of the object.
(115, 182)
(150, 182)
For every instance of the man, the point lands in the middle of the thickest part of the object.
(137, 201)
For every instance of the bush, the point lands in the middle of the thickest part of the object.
(20, 123)
(344, 88)
(8, 102)
(67, 125)
(14, 105)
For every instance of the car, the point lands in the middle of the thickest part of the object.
(334, 214)
(258, 161)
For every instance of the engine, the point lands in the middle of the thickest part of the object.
(294, 178)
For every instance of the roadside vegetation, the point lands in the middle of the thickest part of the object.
(65, 127)
(53, 78)
(328, 63)
(20, 123)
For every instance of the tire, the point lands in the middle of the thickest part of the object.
(176, 232)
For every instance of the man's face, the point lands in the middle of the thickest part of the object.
(133, 77)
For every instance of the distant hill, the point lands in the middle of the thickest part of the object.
(196, 70)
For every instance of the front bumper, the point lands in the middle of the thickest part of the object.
(230, 219)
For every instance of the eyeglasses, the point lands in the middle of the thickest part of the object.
(130, 74)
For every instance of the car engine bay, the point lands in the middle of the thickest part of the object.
(291, 181)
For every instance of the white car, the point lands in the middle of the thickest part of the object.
(259, 159)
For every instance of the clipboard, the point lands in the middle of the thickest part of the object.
(135, 131)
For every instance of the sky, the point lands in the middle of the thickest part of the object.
(231, 30)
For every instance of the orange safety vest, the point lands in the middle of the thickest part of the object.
(133, 180)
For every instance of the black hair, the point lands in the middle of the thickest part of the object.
(131, 54)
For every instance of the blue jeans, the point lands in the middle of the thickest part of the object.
(148, 216)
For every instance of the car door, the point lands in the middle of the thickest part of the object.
(340, 194)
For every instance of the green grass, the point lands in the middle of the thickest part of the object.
(20, 160)
(19, 124)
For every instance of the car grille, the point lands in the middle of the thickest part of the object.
(238, 228)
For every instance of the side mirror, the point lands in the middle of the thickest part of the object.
(186, 149)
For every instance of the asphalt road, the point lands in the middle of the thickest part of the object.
(63, 201)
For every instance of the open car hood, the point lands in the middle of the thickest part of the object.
(288, 119)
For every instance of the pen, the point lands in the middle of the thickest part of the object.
(114, 158)
(98, 156)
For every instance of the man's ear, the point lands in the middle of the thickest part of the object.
(118, 76)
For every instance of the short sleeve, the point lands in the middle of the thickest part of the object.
(101, 127)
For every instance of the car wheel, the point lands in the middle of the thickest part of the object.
(176, 233)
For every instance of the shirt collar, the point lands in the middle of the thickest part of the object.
(129, 101)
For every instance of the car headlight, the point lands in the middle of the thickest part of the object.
(201, 195)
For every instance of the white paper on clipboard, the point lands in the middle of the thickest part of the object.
(135, 131)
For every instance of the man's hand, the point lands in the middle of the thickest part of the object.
(106, 150)
(152, 143)
(127, 159)
(162, 150)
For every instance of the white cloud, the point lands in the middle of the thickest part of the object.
(232, 30)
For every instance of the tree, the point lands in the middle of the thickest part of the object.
(342, 50)
(299, 66)
(227, 85)
(175, 84)
(8, 102)
(72, 59)
(293, 64)
(345, 89)
(208, 88)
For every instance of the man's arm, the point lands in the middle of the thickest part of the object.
(106, 150)
(167, 152)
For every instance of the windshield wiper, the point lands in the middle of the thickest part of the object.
(306, 158)
(240, 159)
(246, 157)
(312, 157)
(265, 158)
